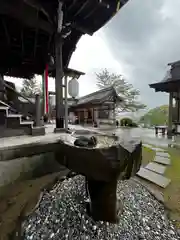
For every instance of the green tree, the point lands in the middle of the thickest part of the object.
(30, 88)
(156, 116)
(123, 88)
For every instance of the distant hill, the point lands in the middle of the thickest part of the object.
(156, 116)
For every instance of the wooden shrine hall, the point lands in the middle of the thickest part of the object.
(97, 107)
(171, 84)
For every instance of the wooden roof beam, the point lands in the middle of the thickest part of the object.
(6, 31)
(82, 28)
(39, 7)
(81, 8)
(22, 42)
(36, 37)
(24, 15)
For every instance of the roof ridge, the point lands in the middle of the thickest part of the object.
(96, 92)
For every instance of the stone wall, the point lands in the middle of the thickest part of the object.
(28, 168)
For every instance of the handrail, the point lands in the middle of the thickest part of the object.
(18, 93)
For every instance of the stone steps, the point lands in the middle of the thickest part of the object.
(13, 125)
(155, 167)
(162, 160)
(153, 171)
(153, 177)
(163, 154)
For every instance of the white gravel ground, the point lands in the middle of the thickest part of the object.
(62, 215)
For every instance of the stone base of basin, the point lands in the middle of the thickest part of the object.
(104, 205)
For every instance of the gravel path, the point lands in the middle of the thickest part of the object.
(62, 215)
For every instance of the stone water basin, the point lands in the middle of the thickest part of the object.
(111, 159)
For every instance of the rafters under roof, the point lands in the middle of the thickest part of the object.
(28, 29)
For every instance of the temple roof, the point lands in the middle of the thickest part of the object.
(103, 96)
(28, 27)
(173, 64)
(171, 81)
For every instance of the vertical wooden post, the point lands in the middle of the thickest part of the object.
(92, 114)
(178, 106)
(38, 111)
(156, 130)
(169, 133)
(84, 116)
(46, 89)
(66, 104)
(2, 89)
(114, 114)
(59, 72)
(79, 115)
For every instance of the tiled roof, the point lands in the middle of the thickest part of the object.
(171, 80)
(103, 95)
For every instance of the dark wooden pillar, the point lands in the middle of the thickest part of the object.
(59, 73)
(178, 106)
(79, 117)
(114, 113)
(175, 111)
(66, 102)
(156, 130)
(92, 114)
(85, 116)
(2, 88)
(38, 111)
(169, 133)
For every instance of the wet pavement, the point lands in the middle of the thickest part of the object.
(146, 135)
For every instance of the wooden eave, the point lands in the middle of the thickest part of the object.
(169, 86)
(28, 30)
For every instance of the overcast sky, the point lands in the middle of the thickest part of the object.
(138, 43)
